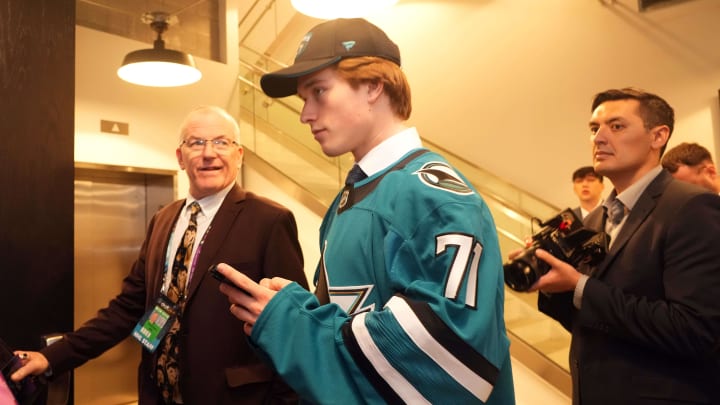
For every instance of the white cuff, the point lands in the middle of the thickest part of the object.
(579, 289)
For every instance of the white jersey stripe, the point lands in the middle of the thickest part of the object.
(424, 340)
(394, 379)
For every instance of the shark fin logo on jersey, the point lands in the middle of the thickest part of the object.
(441, 175)
(352, 299)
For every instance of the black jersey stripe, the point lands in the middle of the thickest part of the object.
(380, 385)
(445, 336)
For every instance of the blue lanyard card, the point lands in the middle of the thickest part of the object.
(153, 326)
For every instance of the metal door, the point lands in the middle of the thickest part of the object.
(113, 206)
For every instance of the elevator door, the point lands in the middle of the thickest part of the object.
(112, 210)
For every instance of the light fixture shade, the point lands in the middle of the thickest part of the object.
(330, 9)
(159, 68)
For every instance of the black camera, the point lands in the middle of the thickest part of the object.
(565, 237)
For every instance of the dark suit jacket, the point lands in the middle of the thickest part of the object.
(254, 235)
(649, 324)
(578, 212)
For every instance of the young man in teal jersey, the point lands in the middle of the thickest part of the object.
(409, 290)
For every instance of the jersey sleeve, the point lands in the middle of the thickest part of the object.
(447, 314)
(441, 335)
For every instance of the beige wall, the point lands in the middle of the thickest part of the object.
(504, 83)
(507, 84)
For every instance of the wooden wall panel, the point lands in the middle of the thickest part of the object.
(37, 97)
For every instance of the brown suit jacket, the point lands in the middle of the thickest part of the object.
(252, 234)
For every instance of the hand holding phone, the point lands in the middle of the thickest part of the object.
(221, 278)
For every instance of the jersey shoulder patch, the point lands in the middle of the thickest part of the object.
(441, 176)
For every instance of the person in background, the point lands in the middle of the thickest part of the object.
(588, 187)
(692, 163)
(195, 351)
(645, 321)
(409, 304)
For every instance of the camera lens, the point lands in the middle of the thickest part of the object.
(520, 273)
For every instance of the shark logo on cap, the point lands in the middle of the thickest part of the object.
(303, 44)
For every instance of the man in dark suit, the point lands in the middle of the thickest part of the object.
(645, 322)
(259, 237)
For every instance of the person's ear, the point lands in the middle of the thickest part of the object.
(375, 89)
(178, 154)
(712, 171)
(660, 136)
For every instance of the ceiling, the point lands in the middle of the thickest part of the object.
(194, 24)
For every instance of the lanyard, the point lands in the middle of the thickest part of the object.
(193, 264)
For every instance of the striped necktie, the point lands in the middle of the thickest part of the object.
(616, 212)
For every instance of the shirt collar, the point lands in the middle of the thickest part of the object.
(211, 203)
(585, 212)
(390, 151)
(630, 196)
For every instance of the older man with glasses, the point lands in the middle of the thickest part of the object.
(194, 350)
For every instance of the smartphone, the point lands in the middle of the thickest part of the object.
(218, 276)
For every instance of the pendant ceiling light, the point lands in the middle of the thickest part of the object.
(330, 9)
(159, 67)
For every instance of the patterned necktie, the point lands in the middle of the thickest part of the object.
(616, 213)
(168, 370)
(354, 175)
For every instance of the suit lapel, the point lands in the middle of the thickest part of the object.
(164, 225)
(638, 215)
(218, 231)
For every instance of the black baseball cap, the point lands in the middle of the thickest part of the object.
(325, 45)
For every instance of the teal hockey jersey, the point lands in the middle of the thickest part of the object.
(412, 270)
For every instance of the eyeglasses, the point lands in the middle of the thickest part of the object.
(219, 144)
